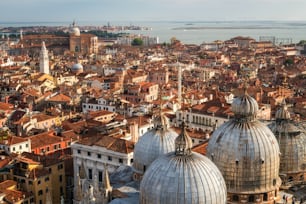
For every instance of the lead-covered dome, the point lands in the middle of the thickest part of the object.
(246, 151)
(183, 177)
(154, 143)
(77, 68)
(245, 106)
(292, 142)
(282, 113)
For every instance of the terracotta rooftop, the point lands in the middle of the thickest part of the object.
(46, 160)
(44, 139)
(12, 195)
(201, 148)
(110, 143)
(60, 98)
(6, 106)
(11, 140)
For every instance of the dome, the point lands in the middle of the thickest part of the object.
(75, 31)
(246, 151)
(183, 177)
(245, 106)
(292, 142)
(282, 113)
(154, 143)
(77, 68)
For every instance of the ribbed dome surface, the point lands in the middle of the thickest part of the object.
(246, 151)
(282, 113)
(244, 106)
(151, 145)
(187, 179)
(292, 142)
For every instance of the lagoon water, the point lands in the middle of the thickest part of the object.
(201, 31)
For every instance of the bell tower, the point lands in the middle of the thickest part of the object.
(44, 60)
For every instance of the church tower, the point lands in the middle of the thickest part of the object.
(44, 60)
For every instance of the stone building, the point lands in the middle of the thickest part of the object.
(247, 153)
(292, 142)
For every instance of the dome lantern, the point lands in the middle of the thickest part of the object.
(282, 113)
(183, 142)
(245, 108)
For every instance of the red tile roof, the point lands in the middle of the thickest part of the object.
(60, 98)
(110, 143)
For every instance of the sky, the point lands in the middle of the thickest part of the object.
(150, 10)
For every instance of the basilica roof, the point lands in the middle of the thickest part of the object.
(182, 177)
(292, 141)
(154, 143)
(245, 150)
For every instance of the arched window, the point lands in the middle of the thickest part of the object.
(235, 198)
(251, 198)
(265, 197)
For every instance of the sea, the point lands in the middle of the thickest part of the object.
(197, 32)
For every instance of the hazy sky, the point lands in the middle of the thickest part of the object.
(150, 10)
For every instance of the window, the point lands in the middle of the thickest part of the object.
(61, 190)
(20, 147)
(235, 198)
(13, 148)
(109, 158)
(251, 198)
(121, 161)
(50, 170)
(79, 151)
(131, 160)
(30, 182)
(54, 146)
(90, 173)
(89, 154)
(60, 178)
(265, 197)
(99, 156)
(48, 149)
(60, 166)
(47, 179)
(40, 192)
(38, 182)
(100, 176)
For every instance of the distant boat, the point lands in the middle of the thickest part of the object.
(189, 24)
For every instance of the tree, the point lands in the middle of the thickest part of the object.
(302, 42)
(137, 42)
